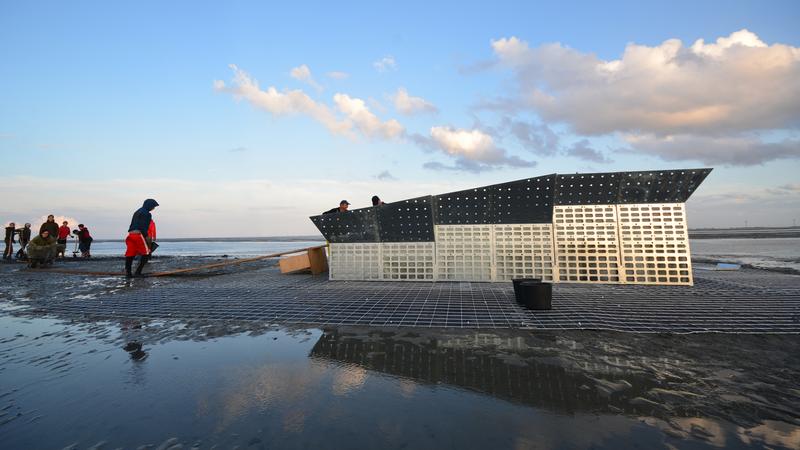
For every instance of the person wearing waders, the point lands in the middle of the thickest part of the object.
(136, 243)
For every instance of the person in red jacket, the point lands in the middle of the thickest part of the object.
(61, 240)
(84, 241)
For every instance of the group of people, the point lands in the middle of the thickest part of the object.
(344, 204)
(51, 241)
(49, 244)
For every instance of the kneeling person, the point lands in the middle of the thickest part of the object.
(42, 249)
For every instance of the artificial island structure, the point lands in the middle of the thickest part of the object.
(618, 227)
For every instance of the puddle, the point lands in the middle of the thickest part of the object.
(240, 384)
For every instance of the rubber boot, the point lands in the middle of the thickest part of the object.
(139, 268)
(128, 266)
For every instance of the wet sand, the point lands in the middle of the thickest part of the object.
(66, 382)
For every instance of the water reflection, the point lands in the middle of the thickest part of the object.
(238, 385)
(659, 380)
(525, 369)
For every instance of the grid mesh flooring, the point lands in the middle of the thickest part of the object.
(746, 301)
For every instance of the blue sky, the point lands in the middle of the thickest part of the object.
(104, 104)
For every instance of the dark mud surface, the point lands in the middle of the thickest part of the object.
(130, 383)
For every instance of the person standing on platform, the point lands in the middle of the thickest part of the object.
(136, 242)
(376, 201)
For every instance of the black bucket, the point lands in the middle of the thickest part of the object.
(518, 281)
(536, 295)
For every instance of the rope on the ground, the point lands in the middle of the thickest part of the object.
(175, 272)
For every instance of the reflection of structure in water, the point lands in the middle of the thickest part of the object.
(525, 368)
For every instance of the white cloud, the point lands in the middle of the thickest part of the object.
(409, 105)
(303, 73)
(385, 64)
(336, 75)
(739, 83)
(473, 150)
(364, 120)
(471, 144)
(736, 85)
(356, 115)
(282, 103)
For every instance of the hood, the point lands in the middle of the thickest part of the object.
(149, 204)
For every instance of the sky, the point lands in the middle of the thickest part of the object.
(245, 118)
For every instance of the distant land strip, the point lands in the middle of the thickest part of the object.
(744, 233)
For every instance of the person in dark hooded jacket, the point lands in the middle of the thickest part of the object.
(10, 231)
(136, 242)
(24, 238)
(51, 226)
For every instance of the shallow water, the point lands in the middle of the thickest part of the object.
(232, 384)
(780, 253)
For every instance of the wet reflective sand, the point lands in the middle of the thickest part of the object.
(238, 384)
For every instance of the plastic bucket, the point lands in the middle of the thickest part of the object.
(536, 295)
(518, 281)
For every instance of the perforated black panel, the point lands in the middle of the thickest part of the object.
(406, 221)
(359, 225)
(587, 189)
(523, 201)
(472, 206)
(663, 186)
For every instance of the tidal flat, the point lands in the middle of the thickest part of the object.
(69, 381)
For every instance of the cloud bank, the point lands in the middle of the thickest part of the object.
(671, 94)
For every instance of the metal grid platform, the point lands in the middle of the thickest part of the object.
(746, 301)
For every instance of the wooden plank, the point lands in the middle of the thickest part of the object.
(295, 263)
(318, 260)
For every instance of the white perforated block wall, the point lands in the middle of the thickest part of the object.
(357, 261)
(586, 244)
(412, 261)
(654, 243)
(464, 252)
(523, 251)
